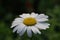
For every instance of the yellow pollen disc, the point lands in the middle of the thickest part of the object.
(29, 21)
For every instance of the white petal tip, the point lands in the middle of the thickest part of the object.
(11, 27)
(49, 24)
(14, 31)
(39, 32)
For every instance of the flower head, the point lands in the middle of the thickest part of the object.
(30, 23)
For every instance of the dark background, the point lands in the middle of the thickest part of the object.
(10, 9)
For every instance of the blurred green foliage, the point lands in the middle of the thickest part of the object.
(10, 9)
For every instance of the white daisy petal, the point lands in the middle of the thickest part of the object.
(29, 32)
(21, 26)
(33, 14)
(14, 25)
(15, 29)
(22, 15)
(42, 20)
(16, 22)
(19, 19)
(23, 31)
(43, 16)
(25, 15)
(42, 25)
(35, 30)
(18, 28)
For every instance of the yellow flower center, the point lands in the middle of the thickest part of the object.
(29, 21)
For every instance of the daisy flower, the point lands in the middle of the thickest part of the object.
(31, 23)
